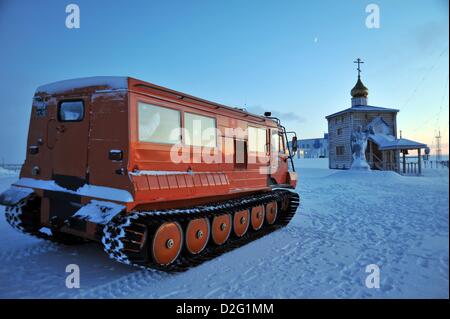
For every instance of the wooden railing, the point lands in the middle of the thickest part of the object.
(378, 164)
(388, 166)
(377, 158)
(410, 169)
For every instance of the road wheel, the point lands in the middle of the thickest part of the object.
(197, 235)
(167, 242)
(271, 212)
(257, 217)
(241, 221)
(221, 228)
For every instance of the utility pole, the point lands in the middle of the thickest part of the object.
(438, 147)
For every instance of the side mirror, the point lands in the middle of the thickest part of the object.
(294, 144)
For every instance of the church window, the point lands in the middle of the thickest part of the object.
(340, 150)
(339, 131)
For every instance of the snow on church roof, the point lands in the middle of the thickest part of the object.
(364, 108)
(389, 142)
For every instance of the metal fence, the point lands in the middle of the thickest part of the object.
(412, 168)
(435, 164)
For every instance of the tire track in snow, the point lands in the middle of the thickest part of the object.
(126, 286)
(282, 259)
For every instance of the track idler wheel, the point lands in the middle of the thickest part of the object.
(241, 221)
(221, 228)
(197, 235)
(257, 217)
(167, 242)
(271, 212)
(285, 204)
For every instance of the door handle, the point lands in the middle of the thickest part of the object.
(60, 128)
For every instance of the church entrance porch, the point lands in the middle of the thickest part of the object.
(384, 160)
(393, 158)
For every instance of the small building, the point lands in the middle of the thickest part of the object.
(384, 147)
(313, 147)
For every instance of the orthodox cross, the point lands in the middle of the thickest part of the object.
(359, 62)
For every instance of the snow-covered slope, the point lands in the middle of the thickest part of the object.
(346, 221)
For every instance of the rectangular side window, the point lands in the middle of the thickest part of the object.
(283, 144)
(240, 154)
(158, 124)
(71, 111)
(200, 130)
(275, 141)
(256, 139)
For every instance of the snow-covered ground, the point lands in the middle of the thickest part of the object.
(6, 172)
(346, 221)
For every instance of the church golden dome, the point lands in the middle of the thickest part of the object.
(359, 90)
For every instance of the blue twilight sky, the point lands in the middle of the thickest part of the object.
(292, 57)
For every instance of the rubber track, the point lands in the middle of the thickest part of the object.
(21, 217)
(119, 244)
(24, 216)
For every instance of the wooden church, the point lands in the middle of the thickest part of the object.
(385, 150)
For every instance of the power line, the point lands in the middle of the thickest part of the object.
(436, 115)
(442, 102)
(423, 78)
(422, 125)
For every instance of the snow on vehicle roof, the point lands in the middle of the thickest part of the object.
(121, 82)
(110, 82)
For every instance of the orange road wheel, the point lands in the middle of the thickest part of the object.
(197, 235)
(221, 228)
(257, 217)
(271, 212)
(166, 243)
(241, 221)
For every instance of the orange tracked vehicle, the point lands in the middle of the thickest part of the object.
(158, 177)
